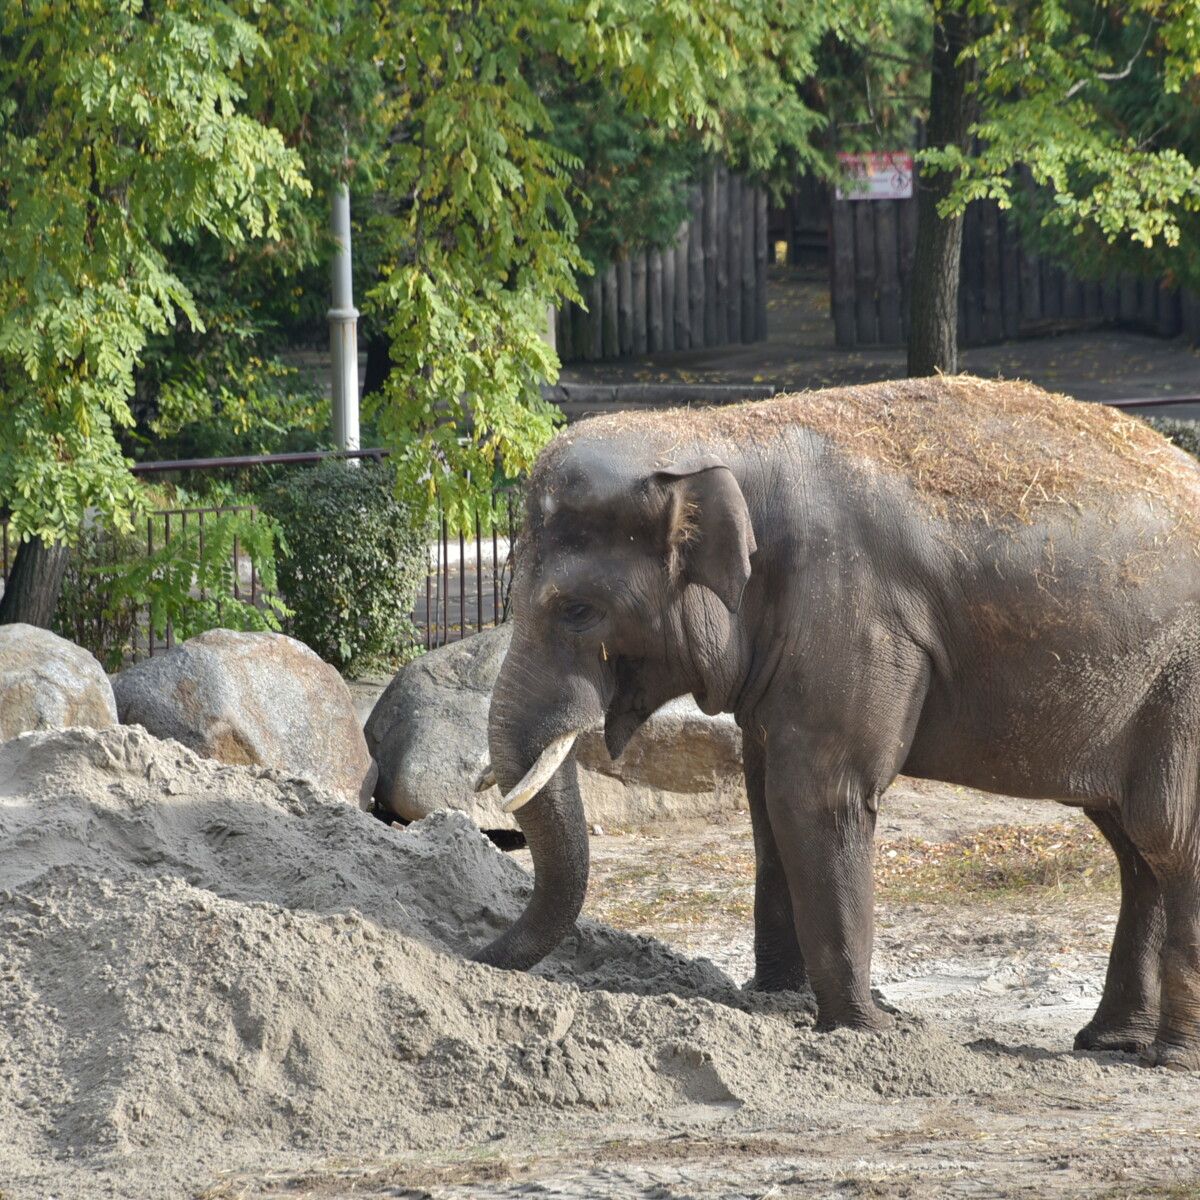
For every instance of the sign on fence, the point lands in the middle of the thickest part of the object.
(884, 176)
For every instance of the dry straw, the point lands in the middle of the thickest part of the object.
(974, 448)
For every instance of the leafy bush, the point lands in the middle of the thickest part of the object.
(355, 558)
(115, 583)
(1185, 434)
(91, 612)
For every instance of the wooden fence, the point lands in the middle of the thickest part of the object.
(1005, 289)
(709, 289)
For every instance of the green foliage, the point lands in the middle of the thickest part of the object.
(114, 581)
(1072, 93)
(91, 612)
(355, 558)
(121, 133)
(485, 191)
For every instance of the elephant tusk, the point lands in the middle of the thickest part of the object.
(539, 774)
(487, 779)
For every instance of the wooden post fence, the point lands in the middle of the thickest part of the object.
(707, 289)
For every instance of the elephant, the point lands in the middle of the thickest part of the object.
(963, 580)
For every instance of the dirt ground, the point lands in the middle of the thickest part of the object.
(1009, 978)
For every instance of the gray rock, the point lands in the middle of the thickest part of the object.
(253, 698)
(428, 733)
(47, 682)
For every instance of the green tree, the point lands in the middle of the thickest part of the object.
(121, 134)
(1053, 86)
(485, 198)
(147, 150)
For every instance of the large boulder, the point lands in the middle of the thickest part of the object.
(428, 733)
(47, 682)
(253, 698)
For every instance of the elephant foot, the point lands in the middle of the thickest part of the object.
(872, 1020)
(1173, 1058)
(1130, 1038)
(778, 981)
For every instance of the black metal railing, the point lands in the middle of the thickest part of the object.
(465, 590)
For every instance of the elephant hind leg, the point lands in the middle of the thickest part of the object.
(1161, 822)
(1128, 1015)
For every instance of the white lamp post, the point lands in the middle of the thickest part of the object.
(343, 329)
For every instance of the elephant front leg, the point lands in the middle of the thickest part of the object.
(825, 833)
(778, 960)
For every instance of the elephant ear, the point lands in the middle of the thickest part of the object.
(709, 535)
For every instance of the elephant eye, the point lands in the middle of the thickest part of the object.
(579, 615)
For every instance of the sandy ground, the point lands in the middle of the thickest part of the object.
(218, 982)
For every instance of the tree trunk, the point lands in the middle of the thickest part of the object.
(33, 587)
(933, 334)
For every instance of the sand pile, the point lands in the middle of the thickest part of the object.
(203, 967)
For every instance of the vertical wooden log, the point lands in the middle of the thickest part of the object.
(970, 288)
(668, 298)
(654, 301)
(1128, 301)
(638, 279)
(1170, 311)
(625, 305)
(907, 219)
(887, 266)
(1093, 306)
(1072, 294)
(1031, 286)
(712, 270)
(993, 287)
(696, 278)
(1149, 303)
(595, 300)
(865, 320)
(563, 339)
(610, 337)
(749, 259)
(683, 288)
(733, 268)
(1010, 277)
(763, 254)
(581, 328)
(841, 230)
(1110, 298)
(1190, 314)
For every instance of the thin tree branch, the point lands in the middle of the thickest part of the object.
(1113, 76)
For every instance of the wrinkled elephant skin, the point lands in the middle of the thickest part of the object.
(967, 581)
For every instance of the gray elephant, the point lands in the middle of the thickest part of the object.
(968, 581)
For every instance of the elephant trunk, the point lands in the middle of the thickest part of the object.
(556, 833)
(536, 771)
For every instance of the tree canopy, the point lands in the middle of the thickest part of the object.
(122, 133)
(145, 149)
(1098, 103)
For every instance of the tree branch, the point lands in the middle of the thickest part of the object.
(1114, 76)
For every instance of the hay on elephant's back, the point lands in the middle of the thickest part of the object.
(975, 448)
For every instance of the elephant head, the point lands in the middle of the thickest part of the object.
(626, 593)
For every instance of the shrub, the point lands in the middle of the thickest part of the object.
(1185, 434)
(114, 583)
(90, 612)
(355, 558)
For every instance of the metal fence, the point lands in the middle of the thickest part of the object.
(465, 590)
